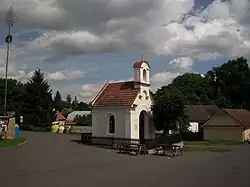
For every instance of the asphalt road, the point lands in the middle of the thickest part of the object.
(51, 160)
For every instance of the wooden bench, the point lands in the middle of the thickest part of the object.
(171, 150)
(133, 148)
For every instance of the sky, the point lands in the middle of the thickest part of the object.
(81, 44)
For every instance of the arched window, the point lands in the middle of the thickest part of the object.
(144, 75)
(111, 124)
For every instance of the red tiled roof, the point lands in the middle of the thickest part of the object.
(117, 94)
(240, 115)
(59, 116)
(139, 63)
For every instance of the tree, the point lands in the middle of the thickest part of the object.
(169, 111)
(14, 95)
(191, 85)
(227, 86)
(230, 83)
(83, 120)
(38, 103)
(58, 101)
(69, 100)
(75, 104)
(83, 106)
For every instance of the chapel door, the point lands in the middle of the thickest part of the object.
(142, 127)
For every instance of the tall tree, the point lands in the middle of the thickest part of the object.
(58, 101)
(83, 106)
(14, 95)
(38, 109)
(69, 100)
(75, 104)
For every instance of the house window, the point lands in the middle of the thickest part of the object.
(111, 124)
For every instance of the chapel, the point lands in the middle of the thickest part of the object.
(121, 111)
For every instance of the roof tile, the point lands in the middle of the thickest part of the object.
(117, 94)
(59, 116)
(139, 63)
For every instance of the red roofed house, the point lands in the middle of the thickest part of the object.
(121, 111)
(228, 124)
(60, 118)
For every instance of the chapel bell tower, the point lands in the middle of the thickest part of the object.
(141, 73)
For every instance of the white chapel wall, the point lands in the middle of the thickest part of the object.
(142, 104)
(100, 122)
(144, 66)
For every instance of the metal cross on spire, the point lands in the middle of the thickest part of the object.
(142, 57)
(8, 39)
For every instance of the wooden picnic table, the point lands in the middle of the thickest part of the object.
(173, 149)
(130, 147)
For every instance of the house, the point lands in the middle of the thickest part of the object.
(228, 124)
(198, 115)
(60, 118)
(121, 111)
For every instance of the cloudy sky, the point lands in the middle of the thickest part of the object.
(81, 44)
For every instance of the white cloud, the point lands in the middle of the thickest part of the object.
(182, 62)
(163, 78)
(89, 91)
(67, 74)
(163, 27)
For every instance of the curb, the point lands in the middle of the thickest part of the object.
(13, 146)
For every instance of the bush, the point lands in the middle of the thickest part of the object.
(83, 120)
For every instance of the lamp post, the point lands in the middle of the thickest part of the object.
(8, 40)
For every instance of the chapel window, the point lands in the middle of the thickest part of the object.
(112, 124)
(144, 75)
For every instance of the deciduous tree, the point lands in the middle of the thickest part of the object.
(169, 111)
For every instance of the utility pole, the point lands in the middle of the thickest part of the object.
(8, 39)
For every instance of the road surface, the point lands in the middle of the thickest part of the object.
(50, 160)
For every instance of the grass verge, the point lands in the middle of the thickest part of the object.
(210, 146)
(212, 143)
(206, 149)
(10, 143)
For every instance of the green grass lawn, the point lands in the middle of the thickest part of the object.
(210, 146)
(213, 143)
(207, 149)
(9, 143)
